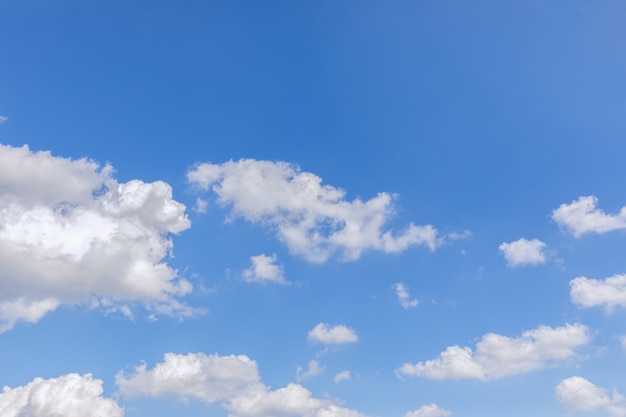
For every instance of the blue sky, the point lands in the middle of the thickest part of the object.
(318, 209)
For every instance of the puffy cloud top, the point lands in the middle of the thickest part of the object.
(577, 393)
(336, 335)
(609, 292)
(523, 252)
(315, 221)
(70, 233)
(233, 381)
(70, 395)
(582, 216)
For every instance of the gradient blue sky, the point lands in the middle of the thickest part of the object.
(479, 118)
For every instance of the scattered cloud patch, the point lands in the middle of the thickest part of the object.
(232, 381)
(583, 216)
(499, 356)
(405, 300)
(430, 410)
(201, 206)
(264, 269)
(314, 369)
(578, 394)
(70, 395)
(609, 292)
(622, 340)
(336, 335)
(523, 252)
(315, 221)
(71, 234)
(3, 119)
(342, 376)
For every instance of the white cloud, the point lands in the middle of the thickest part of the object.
(3, 119)
(70, 233)
(342, 376)
(336, 335)
(70, 395)
(610, 292)
(523, 252)
(576, 393)
(314, 369)
(209, 378)
(403, 297)
(232, 381)
(430, 410)
(315, 221)
(622, 340)
(582, 216)
(264, 269)
(499, 356)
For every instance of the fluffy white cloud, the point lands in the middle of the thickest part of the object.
(314, 369)
(70, 233)
(70, 395)
(232, 381)
(403, 296)
(3, 119)
(499, 356)
(582, 216)
(336, 335)
(208, 378)
(315, 221)
(264, 269)
(610, 292)
(622, 340)
(576, 393)
(430, 410)
(523, 252)
(342, 376)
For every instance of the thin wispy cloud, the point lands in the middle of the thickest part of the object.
(404, 298)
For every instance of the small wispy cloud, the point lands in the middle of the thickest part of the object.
(342, 376)
(314, 369)
(402, 292)
(264, 269)
(3, 119)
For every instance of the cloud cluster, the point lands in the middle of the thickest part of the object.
(583, 216)
(315, 221)
(610, 292)
(430, 410)
(70, 233)
(336, 335)
(523, 252)
(232, 381)
(264, 269)
(577, 393)
(402, 292)
(70, 395)
(499, 356)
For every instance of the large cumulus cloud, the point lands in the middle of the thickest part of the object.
(70, 233)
